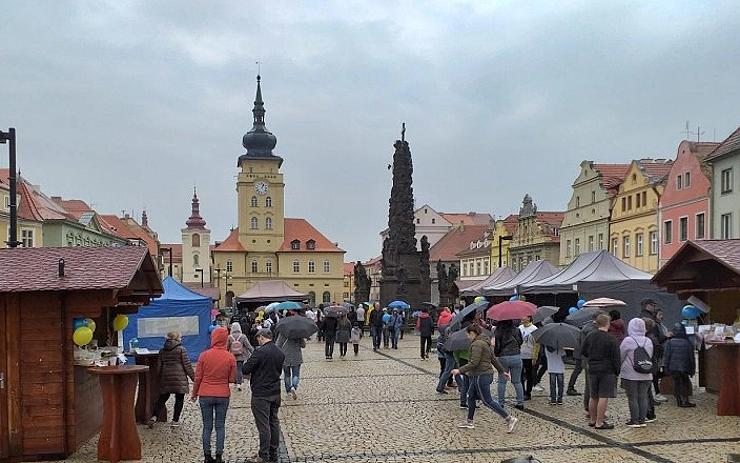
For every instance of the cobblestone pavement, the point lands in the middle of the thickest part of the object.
(382, 407)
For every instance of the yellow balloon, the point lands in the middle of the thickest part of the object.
(120, 322)
(91, 324)
(82, 336)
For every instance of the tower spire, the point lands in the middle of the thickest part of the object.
(259, 106)
(259, 142)
(195, 220)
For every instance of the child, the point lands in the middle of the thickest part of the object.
(354, 337)
(556, 367)
(678, 358)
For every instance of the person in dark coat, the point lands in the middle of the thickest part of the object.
(678, 358)
(174, 370)
(616, 326)
(376, 327)
(425, 326)
(344, 330)
(604, 363)
(330, 336)
(293, 350)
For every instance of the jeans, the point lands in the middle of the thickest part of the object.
(386, 336)
(342, 349)
(265, 411)
(356, 348)
(426, 346)
(376, 334)
(463, 382)
(291, 377)
(512, 364)
(394, 337)
(480, 388)
(556, 387)
(574, 376)
(210, 406)
(449, 366)
(329, 347)
(541, 368)
(239, 374)
(527, 376)
(179, 400)
(637, 397)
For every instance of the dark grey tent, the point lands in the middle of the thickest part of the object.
(500, 275)
(534, 271)
(600, 274)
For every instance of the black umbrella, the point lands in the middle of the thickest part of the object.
(458, 341)
(557, 335)
(456, 321)
(583, 316)
(544, 312)
(296, 327)
(335, 311)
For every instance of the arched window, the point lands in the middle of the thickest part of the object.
(296, 266)
(268, 223)
(311, 298)
(327, 266)
(254, 203)
(196, 240)
(268, 202)
(195, 260)
(311, 266)
(253, 223)
(268, 266)
(254, 266)
(326, 297)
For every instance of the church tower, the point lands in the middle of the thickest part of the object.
(196, 239)
(260, 187)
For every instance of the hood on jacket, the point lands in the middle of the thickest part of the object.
(236, 329)
(618, 325)
(636, 327)
(171, 344)
(219, 337)
(444, 318)
(679, 331)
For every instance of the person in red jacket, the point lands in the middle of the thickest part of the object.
(216, 368)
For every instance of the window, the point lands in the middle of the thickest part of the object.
(327, 266)
(644, 198)
(615, 245)
(567, 249)
(725, 225)
(433, 221)
(345, 295)
(296, 266)
(465, 269)
(311, 244)
(311, 266)
(195, 260)
(629, 202)
(639, 238)
(418, 221)
(253, 223)
(485, 267)
(683, 228)
(590, 243)
(346, 284)
(196, 240)
(678, 182)
(687, 180)
(653, 243)
(27, 238)
(577, 246)
(593, 196)
(312, 298)
(7, 202)
(726, 178)
(626, 248)
(624, 204)
(637, 201)
(601, 241)
(295, 245)
(268, 223)
(268, 202)
(326, 297)
(478, 268)
(668, 232)
(578, 201)
(254, 266)
(253, 203)
(229, 266)
(268, 266)
(700, 226)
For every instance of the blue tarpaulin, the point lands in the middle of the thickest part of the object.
(178, 309)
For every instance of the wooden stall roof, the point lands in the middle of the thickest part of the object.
(128, 269)
(701, 266)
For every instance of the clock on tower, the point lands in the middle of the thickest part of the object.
(261, 188)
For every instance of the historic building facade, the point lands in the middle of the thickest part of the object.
(634, 234)
(725, 200)
(475, 259)
(585, 226)
(503, 233)
(537, 236)
(266, 245)
(195, 250)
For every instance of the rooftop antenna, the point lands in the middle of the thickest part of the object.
(403, 131)
(699, 133)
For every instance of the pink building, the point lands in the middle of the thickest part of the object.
(683, 212)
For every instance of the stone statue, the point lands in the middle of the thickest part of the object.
(362, 283)
(442, 279)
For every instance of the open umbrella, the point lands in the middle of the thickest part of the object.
(335, 311)
(296, 327)
(347, 305)
(605, 302)
(272, 307)
(288, 305)
(583, 316)
(458, 341)
(557, 335)
(544, 312)
(511, 310)
(398, 305)
(456, 321)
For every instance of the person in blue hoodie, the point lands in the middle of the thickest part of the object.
(679, 362)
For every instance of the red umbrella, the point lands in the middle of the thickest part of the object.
(511, 310)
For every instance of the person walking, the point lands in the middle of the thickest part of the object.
(602, 353)
(396, 328)
(659, 334)
(386, 328)
(330, 336)
(447, 360)
(292, 349)
(320, 323)
(636, 383)
(425, 327)
(344, 332)
(527, 352)
(508, 350)
(216, 368)
(240, 347)
(376, 327)
(479, 370)
(354, 338)
(556, 369)
(461, 358)
(264, 368)
(656, 359)
(679, 362)
(361, 318)
(174, 370)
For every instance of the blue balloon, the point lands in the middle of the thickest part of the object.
(690, 312)
(580, 303)
(211, 328)
(573, 310)
(514, 298)
(78, 323)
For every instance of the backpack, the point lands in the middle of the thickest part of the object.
(641, 361)
(237, 348)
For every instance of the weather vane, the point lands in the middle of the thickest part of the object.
(403, 131)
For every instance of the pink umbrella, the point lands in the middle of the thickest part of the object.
(511, 310)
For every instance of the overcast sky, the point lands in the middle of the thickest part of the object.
(127, 105)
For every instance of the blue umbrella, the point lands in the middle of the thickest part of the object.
(271, 307)
(399, 305)
(288, 305)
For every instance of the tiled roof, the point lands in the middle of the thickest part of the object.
(511, 222)
(454, 241)
(470, 218)
(231, 243)
(373, 261)
(118, 226)
(612, 175)
(34, 205)
(349, 268)
(553, 218)
(656, 170)
(727, 251)
(176, 252)
(74, 207)
(730, 144)
(301, 230)
(85, 268)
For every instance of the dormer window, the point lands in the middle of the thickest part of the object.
(295, 245)
(311, 245)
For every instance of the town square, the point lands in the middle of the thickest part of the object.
(256, 232)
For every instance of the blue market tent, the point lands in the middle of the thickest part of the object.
(178, 309)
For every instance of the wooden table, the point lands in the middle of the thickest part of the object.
(148, 388)
(726, 359)
(119, 438)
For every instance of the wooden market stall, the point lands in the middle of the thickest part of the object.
(710, 271)
(48, 405)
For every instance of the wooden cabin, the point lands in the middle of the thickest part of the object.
(49, 406)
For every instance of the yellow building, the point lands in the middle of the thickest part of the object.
(266, 245)
(503, 229)
(633, 227)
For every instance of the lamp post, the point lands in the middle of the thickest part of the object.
(169, 251)
(200, 270)
(9, 137)
(500, 253)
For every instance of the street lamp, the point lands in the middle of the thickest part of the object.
(169, 251)
(500, 239)
(200, 270)
(9, 136)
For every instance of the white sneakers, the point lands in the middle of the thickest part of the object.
(511, 423)
(467, 424)
(661, 398)
(293, 394)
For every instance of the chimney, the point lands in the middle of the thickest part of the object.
(144, 219)
(56, 198)
(61, 268)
